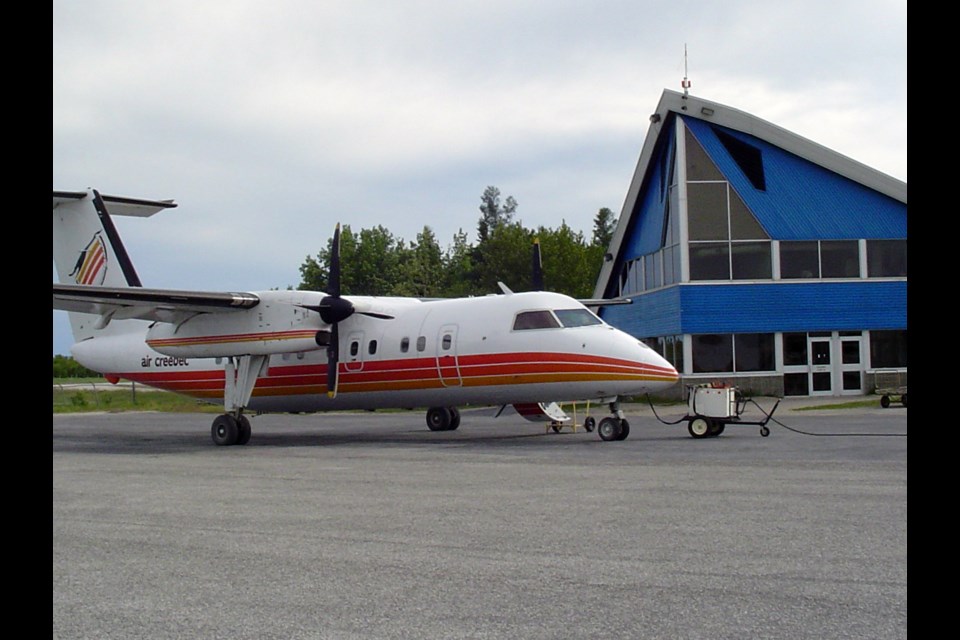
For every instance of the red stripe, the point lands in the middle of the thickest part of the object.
(412, 374)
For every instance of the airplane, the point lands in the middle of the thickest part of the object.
(310, 351)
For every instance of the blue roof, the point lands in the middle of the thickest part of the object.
(802, 200)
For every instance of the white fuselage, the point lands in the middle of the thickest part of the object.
(428, 353)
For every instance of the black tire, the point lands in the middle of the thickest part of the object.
(590, 424)
(243, 430)
(439, 418)
(624, 430)
(609, 429)
(454, 418)
(556, 427)
(764, 431)
(699, 427)
(885, 401)
(225, 430)
(716, 428)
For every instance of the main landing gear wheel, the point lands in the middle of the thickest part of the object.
(443, 418)
(700, 427)
(225, 430)
(613, 429)
(624, 430)
(243, 429)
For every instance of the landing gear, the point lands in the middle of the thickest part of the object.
(615, 427)
(443, 418)
(240, 376)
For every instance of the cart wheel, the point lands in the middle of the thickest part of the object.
(764, 431)
(699, 427)
(716, 428)
(589, 424)
(555, 427)
(903, 400)
(885, 401)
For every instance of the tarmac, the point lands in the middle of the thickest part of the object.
(368, 525)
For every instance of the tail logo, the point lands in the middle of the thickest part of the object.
(91, 267)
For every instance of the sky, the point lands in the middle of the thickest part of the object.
(270, 122)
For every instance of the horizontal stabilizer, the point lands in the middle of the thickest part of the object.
(118, 205)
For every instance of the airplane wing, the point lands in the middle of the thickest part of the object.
(164, 305)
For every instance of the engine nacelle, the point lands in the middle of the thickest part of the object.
(279, 324)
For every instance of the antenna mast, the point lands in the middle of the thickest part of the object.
(685, 83)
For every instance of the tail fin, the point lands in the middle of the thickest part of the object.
(87, 248)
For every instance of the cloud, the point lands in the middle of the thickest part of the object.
(270, 122)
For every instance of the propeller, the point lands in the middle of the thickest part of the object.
(333, 310)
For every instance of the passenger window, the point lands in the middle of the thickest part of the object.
(535, 320)
(372, 347)
(421, 343)
(404, 345)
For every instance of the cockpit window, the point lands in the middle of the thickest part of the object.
(535, 320)
(576, 317)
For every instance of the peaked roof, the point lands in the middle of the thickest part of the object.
(692, 107)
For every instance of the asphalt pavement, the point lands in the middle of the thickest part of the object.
(368, 525)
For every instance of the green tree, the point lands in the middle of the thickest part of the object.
(566, 261)
(604, 225)
(505, 257)
(492, 213)
(424, 268)
(459, 270)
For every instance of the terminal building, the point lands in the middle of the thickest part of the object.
(758, 258)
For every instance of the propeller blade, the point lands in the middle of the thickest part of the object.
(537, 266)
(333, 360)
(333, 282)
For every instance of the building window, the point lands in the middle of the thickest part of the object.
(726, 241)
(751, 260)
(887, 258)
(888, 349)
(754, 352)
(799, 259)
(712, 353)
(795, 349)
(819, 259)
(839, 259)
(732, 353)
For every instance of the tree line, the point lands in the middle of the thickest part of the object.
(377, 263)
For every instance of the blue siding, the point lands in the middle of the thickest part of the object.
(764, 308)
(652, 314)
(647, 216)
(802, 200)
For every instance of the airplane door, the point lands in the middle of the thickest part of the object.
(821, 369)
(447, 364)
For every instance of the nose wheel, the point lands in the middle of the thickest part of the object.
(612, 428)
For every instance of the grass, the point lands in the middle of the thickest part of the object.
(101, 396)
